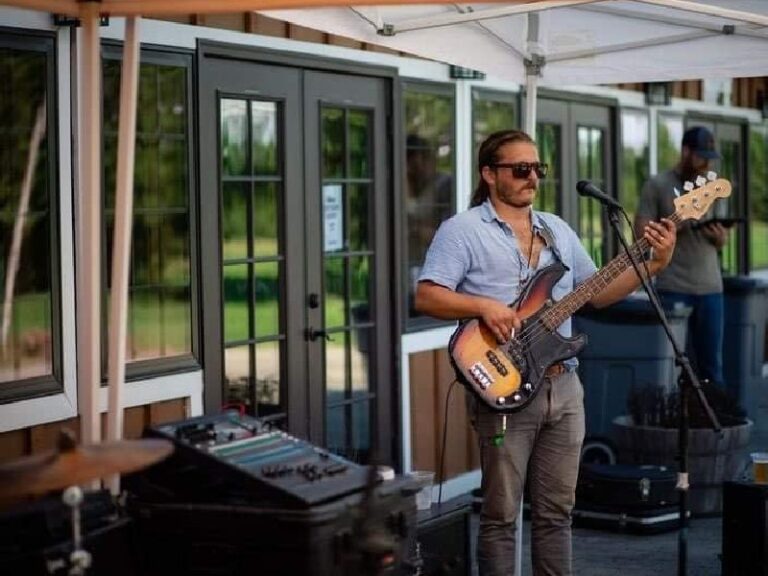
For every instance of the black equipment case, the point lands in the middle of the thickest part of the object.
(627, 497)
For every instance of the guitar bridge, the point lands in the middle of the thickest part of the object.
(481, 375)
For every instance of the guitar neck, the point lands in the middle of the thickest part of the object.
(584, 292)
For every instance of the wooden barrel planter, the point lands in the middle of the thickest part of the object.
(712, 459)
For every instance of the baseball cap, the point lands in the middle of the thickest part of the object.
(701, 141)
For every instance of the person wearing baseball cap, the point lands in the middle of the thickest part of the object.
(693, 278)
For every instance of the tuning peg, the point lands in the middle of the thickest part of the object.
(688, 186)
(711, 176)
(700, 181)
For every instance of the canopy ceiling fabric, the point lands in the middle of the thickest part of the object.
(603, 42)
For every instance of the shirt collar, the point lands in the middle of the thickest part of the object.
(488, 214)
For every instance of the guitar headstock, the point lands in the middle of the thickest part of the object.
(696, 202)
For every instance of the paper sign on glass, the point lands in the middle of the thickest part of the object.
(333, 218)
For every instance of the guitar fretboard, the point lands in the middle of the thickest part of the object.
(584, 292)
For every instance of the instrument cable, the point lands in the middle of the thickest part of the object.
(445, 438)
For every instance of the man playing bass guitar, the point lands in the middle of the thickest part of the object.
(477, 264)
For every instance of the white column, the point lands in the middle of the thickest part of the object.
(89, 240)
(121, 241)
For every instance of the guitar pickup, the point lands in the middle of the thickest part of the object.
(481, 375)
(494, 360)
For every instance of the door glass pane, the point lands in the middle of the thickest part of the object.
(730, 164)
(266, 284)
(268, 377)
(335, 292)
(264, 137)
(359, 144)
(265, 211)
(361, 429)
(669, 136)
(358, 216)
(635, 169)
(361, 342)
(360, 281)
(336, 372)
(336, 429)
(177, 319)
(333, 142)
(145, 309)
(236, 309)
(172, 83)
(237, 370)
(234, 137)
(234, 220)
(548, 140)
(590, 167)
(172, 173)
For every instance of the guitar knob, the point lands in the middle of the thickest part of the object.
(700, 181)
(517, 397)
(527, 387)
(688, 186)
(501, 400)
(711, 176)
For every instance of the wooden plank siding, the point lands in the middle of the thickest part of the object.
(36, 439)
(431, 376)
(253, 23)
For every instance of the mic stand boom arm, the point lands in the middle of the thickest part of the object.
(687, 382)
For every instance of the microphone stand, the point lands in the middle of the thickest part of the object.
(687, 383)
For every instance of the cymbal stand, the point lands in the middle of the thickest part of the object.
(79, 559)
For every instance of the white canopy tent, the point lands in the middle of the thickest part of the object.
(557, 43)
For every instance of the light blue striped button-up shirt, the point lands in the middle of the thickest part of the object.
(475, 252)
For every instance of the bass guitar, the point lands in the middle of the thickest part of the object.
(506, 377)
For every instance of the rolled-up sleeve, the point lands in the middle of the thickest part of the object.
(448, 258)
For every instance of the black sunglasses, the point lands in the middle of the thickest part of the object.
(523, 169)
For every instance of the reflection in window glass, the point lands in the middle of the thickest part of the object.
(669, 137)
(590, 164)
(160, 283)
(635, 169)
(26, 260)
(429, 199)
(491, 112)
(548, 142)
(252, 253)
(730, 163)
(758, 197)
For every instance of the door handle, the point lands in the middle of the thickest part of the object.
(313, 335)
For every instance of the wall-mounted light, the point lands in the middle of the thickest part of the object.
(459, 73)
(658, 93)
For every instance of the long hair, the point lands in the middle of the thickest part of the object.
(487, 155)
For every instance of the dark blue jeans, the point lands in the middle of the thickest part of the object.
(705, 332)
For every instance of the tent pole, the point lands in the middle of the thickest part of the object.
(89, 265)
(121, 241)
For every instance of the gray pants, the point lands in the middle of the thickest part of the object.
(544, 441)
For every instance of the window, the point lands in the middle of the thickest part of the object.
(430, 152)
(670, 135)
(758, 197)
(491, 112)
(548, 141)
(29, 310)
(161, 288)
(635, 143)
(591, 154)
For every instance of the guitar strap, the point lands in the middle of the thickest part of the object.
(549, 240)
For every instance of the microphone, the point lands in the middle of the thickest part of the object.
(586, 188)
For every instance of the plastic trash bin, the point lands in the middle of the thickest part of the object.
(627, 346)
(746, 312)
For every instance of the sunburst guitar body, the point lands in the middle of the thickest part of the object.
(506, 376)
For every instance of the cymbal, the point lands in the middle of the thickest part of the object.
(74, 465)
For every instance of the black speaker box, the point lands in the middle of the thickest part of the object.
(443, 539)
(745, 533)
